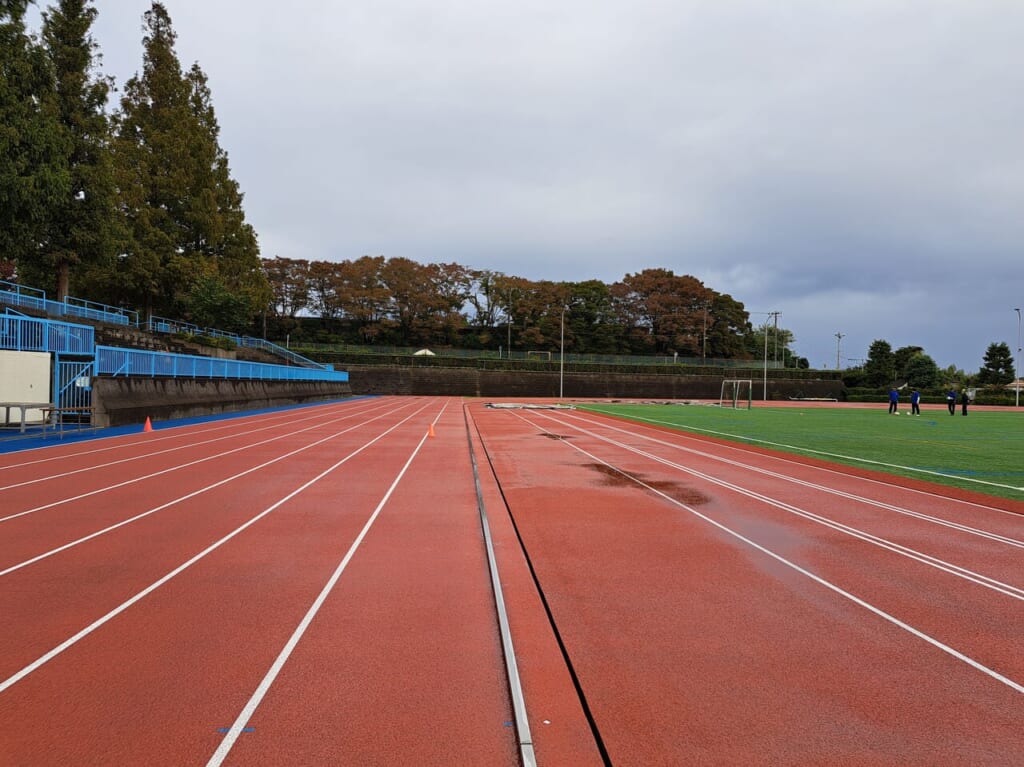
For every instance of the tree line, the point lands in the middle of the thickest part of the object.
(397, 301)
(911, 366)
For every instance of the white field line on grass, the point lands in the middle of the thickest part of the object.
(918, 556)
(183, 498)
(275, 669)
(99, 622)
(817, 579)
(838, 456)
(187, 446)
(178, 467)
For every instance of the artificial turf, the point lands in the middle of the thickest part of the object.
(983, 452)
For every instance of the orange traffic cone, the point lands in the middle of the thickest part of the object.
(430, 431)
(148, 426)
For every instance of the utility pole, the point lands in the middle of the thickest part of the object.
(839, 341)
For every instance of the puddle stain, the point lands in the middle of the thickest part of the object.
(676, 490)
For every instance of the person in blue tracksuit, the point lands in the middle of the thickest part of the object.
(915, 402)
(951, 401)
(894, 400)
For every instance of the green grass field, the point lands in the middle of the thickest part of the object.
(983, 452)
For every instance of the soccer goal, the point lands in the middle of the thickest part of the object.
(733, 392)
(538, 355)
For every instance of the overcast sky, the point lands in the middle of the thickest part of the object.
(856, 165)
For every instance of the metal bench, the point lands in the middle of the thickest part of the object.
(25, 407)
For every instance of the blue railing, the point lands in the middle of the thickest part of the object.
(280, 351)
(34, 298)
(101, 312)
(165, 325)
(115, 361)
(29, 334)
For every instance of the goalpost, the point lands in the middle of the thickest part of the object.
(541, 355)
(732, 392)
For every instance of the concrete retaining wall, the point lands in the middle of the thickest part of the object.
(470, 382)
(119, 401)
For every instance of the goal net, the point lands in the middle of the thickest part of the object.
(736, 393)
(538, 355)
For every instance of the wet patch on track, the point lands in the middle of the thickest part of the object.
(677, 491)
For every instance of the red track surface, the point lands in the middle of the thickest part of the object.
(311, 587)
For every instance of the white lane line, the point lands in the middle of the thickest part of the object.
(840, 456)
(101, 445)
(826, 488)
(188, 496)
(817, 579)
(177, 448)
(70, 642)
(291, 432)
(897, 548)
(264, 686)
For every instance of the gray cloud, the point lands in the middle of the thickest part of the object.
(855, 165)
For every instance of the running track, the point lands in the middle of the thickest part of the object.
(314, 587)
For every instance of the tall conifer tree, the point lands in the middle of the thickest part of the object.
(147, 148)
(82, 232)
(33, 169)
(189, 239)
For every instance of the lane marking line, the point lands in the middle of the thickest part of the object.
(264, 686)
(782, 458)
(956, 654)
(852, 458)
(179, 448)
(186, 497)
(919, 556)
(171, 469)
(73, 640)
(940, 564)
(122, 442)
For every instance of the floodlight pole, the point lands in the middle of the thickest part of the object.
(1016, 369)
(775, 338)
(764, 396)
(561, 359)
(776, 316)
(704, 342)
(839, 340)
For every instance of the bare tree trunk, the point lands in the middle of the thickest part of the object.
(63, 279)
